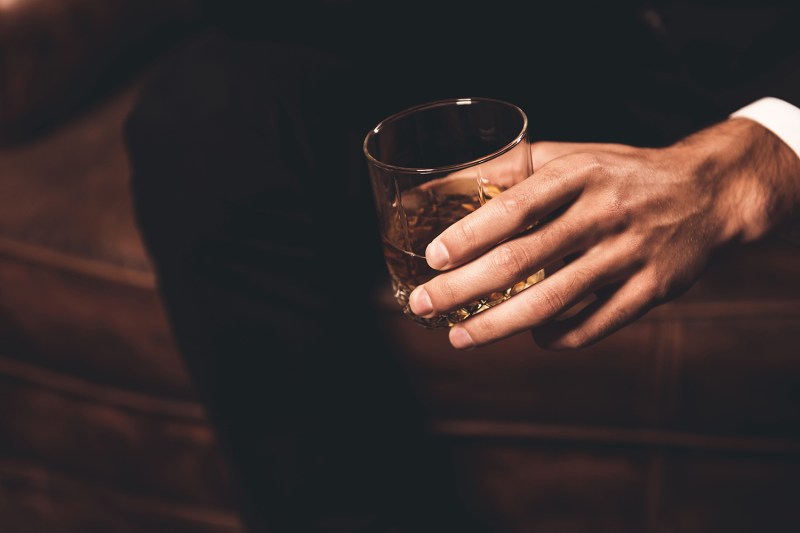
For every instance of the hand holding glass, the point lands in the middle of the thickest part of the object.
(433, 164)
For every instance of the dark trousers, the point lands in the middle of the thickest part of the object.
(250, 192)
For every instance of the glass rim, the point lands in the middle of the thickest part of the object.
(446, 168)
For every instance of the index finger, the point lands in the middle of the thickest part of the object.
(511, 212)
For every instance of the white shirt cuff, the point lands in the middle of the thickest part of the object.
(778, 116)
(782, 119)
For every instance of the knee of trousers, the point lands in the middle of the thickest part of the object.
(221, 125)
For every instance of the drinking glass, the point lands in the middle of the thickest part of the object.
(432, 164)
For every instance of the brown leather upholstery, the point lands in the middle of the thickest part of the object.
(688, 420)
(99, 429)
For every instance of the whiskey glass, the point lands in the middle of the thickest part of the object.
(432, 164)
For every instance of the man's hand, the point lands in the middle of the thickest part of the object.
(634, 227)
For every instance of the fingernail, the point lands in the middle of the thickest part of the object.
(459, 338)
(437, 255)
(420, 302)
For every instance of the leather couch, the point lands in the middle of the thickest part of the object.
(686, 421)
(99, 427)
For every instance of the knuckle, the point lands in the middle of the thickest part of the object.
(547, 303)
(483, 327)
(617, 204)
(636, 246)
(582, 278)
(618, 211)
(657, 286)
(592, 162)
(511, 206)
(443, 293)
(509, 260)
(557, 232)
(599, 169)
(465, 234)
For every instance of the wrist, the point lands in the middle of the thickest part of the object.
(774, 170)
(754, 178)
